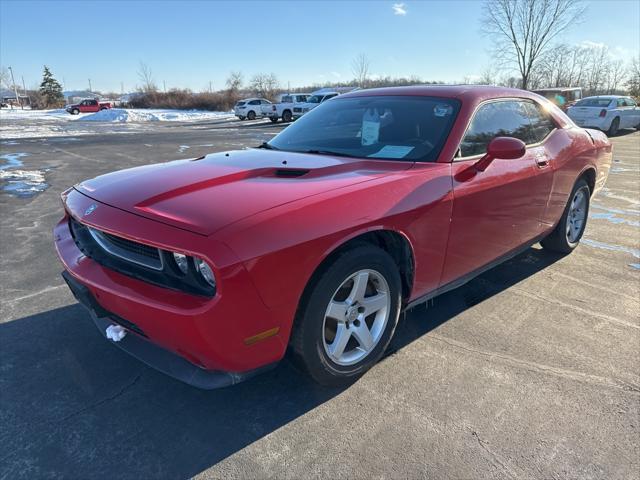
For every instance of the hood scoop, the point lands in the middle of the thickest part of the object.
(290, 172)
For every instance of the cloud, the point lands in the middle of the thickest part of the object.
(399, 9)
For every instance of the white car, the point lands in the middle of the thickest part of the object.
(608, 113)
(284, 109)
(250, 108)
(313, 101)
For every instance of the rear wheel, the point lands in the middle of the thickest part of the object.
(613, 128)
(251, 115)
(286, 116)
(242, 118)
(349, 316)
(567, 234)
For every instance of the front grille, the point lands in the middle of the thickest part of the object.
(137, 260)
(128, 250)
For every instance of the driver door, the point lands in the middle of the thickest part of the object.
(497, 210)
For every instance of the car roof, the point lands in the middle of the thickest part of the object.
(462, 92)
(556, 89)
(605, 97)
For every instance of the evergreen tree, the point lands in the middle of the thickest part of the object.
(51, 90)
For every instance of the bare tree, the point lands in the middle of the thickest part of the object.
(234, 81)
(523, 29)
(360, 69)
(5, 78)
(633, 80)
(615, 74)
(265, 85)
(146, 77)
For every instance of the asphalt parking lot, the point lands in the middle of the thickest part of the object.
(531, 370)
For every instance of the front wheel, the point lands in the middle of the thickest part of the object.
(75, 111)
(349, 316)
(251, 115)
(567, 234)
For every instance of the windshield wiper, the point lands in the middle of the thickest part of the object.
(266, 146)
(328, 152)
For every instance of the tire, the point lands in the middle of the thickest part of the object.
(566, 236)
(340, 282)
(242, 118)
(251, 115)
(273, 119)
(286, 116)
(613, 128)
(103, 108)
(75, 111)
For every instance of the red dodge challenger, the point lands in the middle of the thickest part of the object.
(209, 269)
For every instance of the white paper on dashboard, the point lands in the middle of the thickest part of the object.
(392, 151)
(370, 132)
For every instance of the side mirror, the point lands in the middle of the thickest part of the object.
(505, 148)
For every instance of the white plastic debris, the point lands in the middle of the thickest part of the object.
(115, 333)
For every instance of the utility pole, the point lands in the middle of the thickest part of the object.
(24, 89)
(15, 89)
(164, 86)
(121, 88)
(209, 86)
(90, 86)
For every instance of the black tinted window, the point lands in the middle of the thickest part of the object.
(541, 123)
(254, 102)
(496, 119)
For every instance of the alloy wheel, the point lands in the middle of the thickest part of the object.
(356, 317)
(577, 216)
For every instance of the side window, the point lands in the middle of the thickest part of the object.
(630, 102)
(254, 102)
(286, 99)
(496, 119)
(541, 123)
(621, 103)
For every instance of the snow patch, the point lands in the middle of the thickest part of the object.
(122, 115)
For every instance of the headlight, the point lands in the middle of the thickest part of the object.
(182, 262)
(205, 271)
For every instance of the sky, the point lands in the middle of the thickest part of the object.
(188, 44)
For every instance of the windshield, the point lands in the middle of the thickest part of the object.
(594, 102)
(380, 127)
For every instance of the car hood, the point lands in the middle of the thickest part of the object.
(205, 194)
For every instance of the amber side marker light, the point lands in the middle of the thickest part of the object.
(261, 336)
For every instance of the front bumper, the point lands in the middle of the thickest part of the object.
(212, 334)
(163, 360)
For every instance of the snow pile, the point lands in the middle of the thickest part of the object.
(17, 114)
(122, 115)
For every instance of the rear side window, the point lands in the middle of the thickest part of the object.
(541, 123)
(496, 119)
(621, 102)
(594, 102)
(286, 99)
(254, 102)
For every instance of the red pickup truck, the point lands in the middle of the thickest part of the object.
(87, 106)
